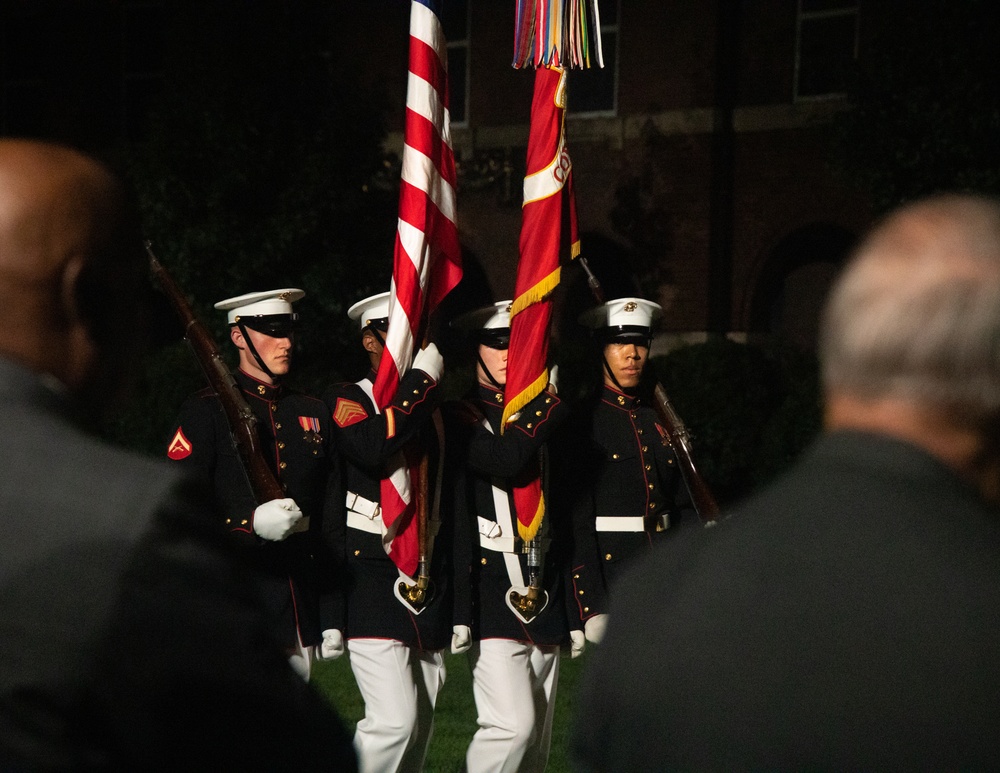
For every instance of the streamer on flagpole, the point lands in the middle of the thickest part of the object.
(557, 33)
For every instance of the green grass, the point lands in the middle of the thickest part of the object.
(455, 716)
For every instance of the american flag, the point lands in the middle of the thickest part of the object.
(427, 260)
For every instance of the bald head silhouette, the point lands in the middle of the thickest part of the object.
(910, 338)
(70, 267)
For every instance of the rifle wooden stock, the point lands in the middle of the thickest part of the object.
(242, 422)
(701, 496)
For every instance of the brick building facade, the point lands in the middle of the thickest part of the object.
(700, 152)
(719, 114)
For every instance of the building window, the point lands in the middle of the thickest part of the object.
(825, 48)
(455, 20)
(594, 91)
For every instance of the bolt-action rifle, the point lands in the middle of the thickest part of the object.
(239, 416)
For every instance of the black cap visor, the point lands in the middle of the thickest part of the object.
(379, 323)
(625, 334)
(272, 325)
(495, 338)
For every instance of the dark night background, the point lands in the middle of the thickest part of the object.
(254, 136)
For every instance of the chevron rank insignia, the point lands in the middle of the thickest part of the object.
(180, 447)
(347, 412)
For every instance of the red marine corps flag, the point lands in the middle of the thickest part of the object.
(549, 35)
(427, 260)
(548, 208)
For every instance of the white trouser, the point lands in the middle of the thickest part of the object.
(399, 685)
(514, 684)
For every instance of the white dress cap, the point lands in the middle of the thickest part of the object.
(260, 304)
(373, 307)
(622, 313)
(493, 317)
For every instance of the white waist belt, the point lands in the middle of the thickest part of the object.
(356, 520)
(365, 515)
(499, 544)
(491, 538)
(620, 523)
(363, 506)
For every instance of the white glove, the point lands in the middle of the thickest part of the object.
(594, 628)
(275, 520)
(553, 379)
(430, 361)
(577, 643)
(461, 639)
(333, 644)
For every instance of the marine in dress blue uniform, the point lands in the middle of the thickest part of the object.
(395, 648)
(514, 657)
(281, 537)
(634, 491)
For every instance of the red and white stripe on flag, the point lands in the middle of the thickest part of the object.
(427, 259)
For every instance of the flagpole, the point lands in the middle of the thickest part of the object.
(421, 592)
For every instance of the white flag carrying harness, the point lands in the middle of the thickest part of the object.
(499, 536)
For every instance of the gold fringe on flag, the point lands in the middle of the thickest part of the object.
(537, 293)
(518, 401)
(529, 531)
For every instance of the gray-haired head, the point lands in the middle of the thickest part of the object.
(916, 313)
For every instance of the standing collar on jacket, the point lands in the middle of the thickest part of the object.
(257, 388)
(489, 395)
(619, 399)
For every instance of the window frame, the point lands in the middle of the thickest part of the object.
(465, 43)
(606, 28)
(848, 8)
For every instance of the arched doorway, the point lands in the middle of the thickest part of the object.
(792, 284)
